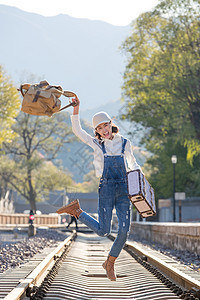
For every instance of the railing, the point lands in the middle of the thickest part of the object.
(22, 219)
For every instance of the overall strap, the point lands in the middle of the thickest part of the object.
(124, 141)
(103, 148)
(97, 143)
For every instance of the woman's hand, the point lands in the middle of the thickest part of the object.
(76, 101)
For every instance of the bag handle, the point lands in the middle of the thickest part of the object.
(25, 86)
(69, 94)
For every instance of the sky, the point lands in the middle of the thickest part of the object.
(116, 12)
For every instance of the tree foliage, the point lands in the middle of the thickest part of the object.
(25, 167)
(9, 107)
(89, 185)
(162, 90)
(159, 170)
(161, 79)
(44, 178)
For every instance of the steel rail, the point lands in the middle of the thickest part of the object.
(38, 274)
(41, 277)
(81, 276)
(178, 276)
(175, 278)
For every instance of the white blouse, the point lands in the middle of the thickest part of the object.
(113, 147)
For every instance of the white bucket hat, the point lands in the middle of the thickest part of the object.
(100, 117)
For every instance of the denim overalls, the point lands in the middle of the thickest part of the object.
(112, 193)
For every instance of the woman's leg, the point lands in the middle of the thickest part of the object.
(106, 204)
(123, 213)
(101, 227)
(122, 206)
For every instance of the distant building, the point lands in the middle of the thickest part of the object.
(190, 210)
(56, 199)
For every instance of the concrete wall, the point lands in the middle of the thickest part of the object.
(181, 236)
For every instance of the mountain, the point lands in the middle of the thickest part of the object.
(79, 54)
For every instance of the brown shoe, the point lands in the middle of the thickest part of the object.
(72, 209)
(108, 265)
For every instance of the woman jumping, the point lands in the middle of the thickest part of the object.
(113, 157)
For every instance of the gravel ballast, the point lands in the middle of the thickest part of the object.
(14, 253)
(184, 257)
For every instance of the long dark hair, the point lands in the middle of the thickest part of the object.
(115, 129)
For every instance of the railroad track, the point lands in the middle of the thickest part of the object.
(73, 271)
(16, 283)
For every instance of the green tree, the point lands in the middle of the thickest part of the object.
(161, 80)
(49, 178)
(89, 185)
(162, 91)
(45, 177)
(160, 172)
(9, 107)
(39, 139)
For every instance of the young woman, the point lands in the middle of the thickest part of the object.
(113, 157)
